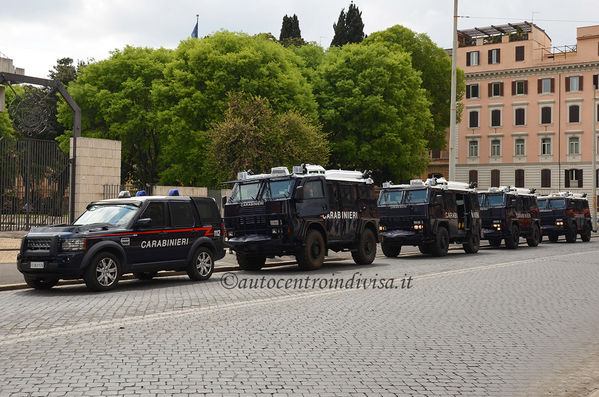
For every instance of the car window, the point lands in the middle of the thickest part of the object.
(181, 214)
(155, 211)
(542, 204)
(348, 196)
(313, 189)
(415, 196)
(391, 197)
(208, 210)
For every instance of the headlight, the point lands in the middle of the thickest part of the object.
(382, 228)
(559, 223)
(73, 244)
(497, 225)
(418, 227)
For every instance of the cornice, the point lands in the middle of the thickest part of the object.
(532, 71)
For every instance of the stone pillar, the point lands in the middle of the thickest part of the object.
(98, 163)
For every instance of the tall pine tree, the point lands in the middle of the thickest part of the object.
(349, 27)
(286, 28)
(290, 32)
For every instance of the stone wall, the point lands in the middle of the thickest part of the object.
(183, 191)
(98, 164)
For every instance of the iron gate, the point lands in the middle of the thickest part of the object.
(34, 184)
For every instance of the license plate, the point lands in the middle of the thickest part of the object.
(37, 265)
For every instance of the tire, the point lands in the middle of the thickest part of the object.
(366, 248)
(251, 262)
(535, 236)
(571, 234)
(391, 251)
(472, 245)
(586, 233)
(40, 283)
(145, 275)
(495, 242)
(425, 248)
(441, 245)
(202, 265)
(103, 273)
(513, 239)
(553, 238)
(311, 255)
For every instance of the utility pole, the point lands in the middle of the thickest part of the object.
(594, 162)
(453, 130)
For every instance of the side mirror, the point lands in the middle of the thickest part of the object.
(299, 193)
(143, 222)
(224, 201)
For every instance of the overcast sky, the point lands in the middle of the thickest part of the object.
(36, 33)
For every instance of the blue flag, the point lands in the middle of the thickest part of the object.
(194, 34)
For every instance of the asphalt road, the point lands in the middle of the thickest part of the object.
(499, 323)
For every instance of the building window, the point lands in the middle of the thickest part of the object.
(545, 178)
(472, 58)
(494, 178)
(573, 178)
(596, 81)
(495, 89)
(473, 176)
(546, 113)
(473, 148)
(520, 147)
(574, 145)
(574, 114)
(520, 116)
(494, 56)
(520, 87)
(546, 146)
(435, 153)
(473, 119)
(495, 148)
(495, 118)
(519, 176)
(573, 83)
(472, 91)
(546, 85)
(519, 53)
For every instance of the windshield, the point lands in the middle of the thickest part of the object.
(114, 214)
(415, 196)
(278, 189)
(557, 203)
(390, 197)
(542, 204)
(244, 192)
(493, 200)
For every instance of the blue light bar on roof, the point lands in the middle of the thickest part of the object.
(173, 192)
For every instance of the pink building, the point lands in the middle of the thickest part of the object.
(529, 108)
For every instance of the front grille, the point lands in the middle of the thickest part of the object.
(39, 244)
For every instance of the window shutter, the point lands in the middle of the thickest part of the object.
(580, 83)
(567, 178)
(501, 89)
(596, 81)
(498, 55)
(519, 178)
(495, 178)
(545, 178)
(513, 88)
(579, 177)
(526, 87)
(468, 58)
(539, 86)
(597, 179)
(473, 176)
(552, 84)
(468, 88)
(567, 84)
(490, 57)
(490, 90)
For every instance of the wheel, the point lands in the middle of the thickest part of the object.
(472, 245)
(366, 248)
(40, 283)
(201, 265)
(441, 244)
(145, 275)
(571, 234)
(425, 248)
(513, 239)
(103, 273)
(495, 242)
(311, 255)
(586, 233)
(535, 236)
(391, 251)
(553, 238)
(251, 262)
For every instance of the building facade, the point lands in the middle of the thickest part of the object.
(529, 109)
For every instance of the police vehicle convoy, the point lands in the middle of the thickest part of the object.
(431, 215)
(567, 214)
(509, 213)
(139, 235)
(305, 213)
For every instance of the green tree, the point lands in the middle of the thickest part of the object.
(349, 27)
(374, 111)
(311, 56)
(253, 136)
(291, 34)
(193, 95)
(435, 67)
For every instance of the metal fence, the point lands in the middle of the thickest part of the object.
(34, 184)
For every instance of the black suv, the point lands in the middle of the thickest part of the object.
(139, 235)
(429, 214)
(565, 214)
(509, 213)
(305, 214)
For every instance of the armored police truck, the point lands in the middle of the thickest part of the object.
(305, 213)
(565, 213)
(139, 235)
(429, 214)
(509, 213)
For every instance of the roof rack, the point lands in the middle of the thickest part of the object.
(439, 183)
(512, 190)
(566, 194)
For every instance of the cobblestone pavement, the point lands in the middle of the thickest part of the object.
(499, 323)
